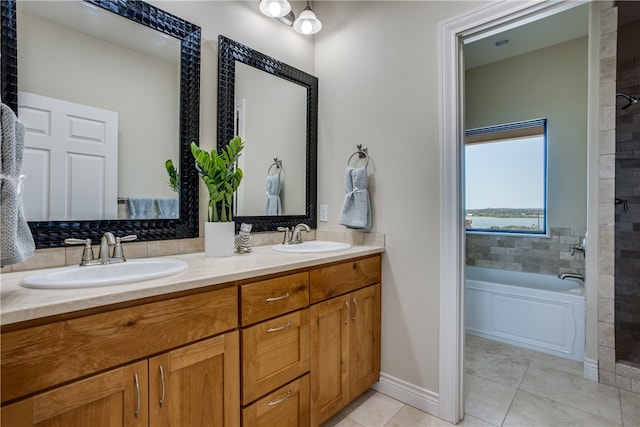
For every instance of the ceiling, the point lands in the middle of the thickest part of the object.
(548, 31)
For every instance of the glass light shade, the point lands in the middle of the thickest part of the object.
(275, 8)
(307, 22)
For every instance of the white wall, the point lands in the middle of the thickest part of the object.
(377, 64)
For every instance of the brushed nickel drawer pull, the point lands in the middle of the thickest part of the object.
(355, 312)
(346, 320)
(137, 411)
(275, 402)
(279, 328)
(278, 298)
(162, 381)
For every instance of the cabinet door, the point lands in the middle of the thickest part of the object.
(197, 385)
(285, 407)
(329, 358)
(274, 352)
(364, 333)
(114, 398)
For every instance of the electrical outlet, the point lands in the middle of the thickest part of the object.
(324, 215)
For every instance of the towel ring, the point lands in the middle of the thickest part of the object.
(277, 163)
(361, 153)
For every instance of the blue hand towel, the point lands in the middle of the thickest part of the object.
(16, 240)
(273, 206)
(140, 208)
(167, 208)
(356, 209)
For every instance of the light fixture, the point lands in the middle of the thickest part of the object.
(275, 8)
(307, 22)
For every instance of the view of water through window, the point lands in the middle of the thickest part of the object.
(505, 181)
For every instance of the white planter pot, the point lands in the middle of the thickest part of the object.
(219, 239)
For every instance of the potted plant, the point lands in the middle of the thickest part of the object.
(220, 174)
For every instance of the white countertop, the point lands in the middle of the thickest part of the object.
(19, 304)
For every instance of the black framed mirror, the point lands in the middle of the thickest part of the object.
(232, 53)
(48, 234)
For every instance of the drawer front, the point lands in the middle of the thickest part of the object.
(43, 356)
(343, 278)
(274, 352)
(286, 407)
(270, 298)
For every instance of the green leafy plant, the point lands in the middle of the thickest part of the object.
(221, 176)
(174, 178)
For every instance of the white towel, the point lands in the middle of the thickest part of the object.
(273, 206)
(16, 240)
(356, 209)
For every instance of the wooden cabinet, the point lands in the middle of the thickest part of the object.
(275, 351)
(289, 350)
(197, 385)
(345, 342)
(115, 398)
(104, 368)
(287, 406)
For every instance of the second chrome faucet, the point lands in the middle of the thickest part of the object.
(293, 237)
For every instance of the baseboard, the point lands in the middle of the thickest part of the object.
(409, 394)
(591, 369)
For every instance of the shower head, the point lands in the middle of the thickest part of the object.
(631, 100)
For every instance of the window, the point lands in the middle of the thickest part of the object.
(506, 170)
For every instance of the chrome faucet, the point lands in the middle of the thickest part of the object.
(106, 255)
(571, 276)
(293, 236)
(579, 248)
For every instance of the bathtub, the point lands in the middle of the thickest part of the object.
(535, 311)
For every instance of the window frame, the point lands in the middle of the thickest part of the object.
(505, 132)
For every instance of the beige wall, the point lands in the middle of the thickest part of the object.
(377, 63)
(548, 83)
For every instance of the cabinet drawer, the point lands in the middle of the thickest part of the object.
(273, 353)
(43, 356)
(285, 407)
(343, 278)
(269, 298)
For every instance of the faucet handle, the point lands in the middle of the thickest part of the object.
(87, 252)
(285, 238)
(118, 254)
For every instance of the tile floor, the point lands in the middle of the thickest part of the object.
(509, 386)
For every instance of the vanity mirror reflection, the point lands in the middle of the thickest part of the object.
(273, 107)
(149, 77)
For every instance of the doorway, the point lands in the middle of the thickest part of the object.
(481, 24)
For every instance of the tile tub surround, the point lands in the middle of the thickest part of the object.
(18, 304)
(547, 255)
(509, 386)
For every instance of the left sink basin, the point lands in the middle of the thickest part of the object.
(104, 275)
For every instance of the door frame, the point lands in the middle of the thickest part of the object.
(476, 24)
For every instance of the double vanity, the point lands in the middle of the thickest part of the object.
(262, 339)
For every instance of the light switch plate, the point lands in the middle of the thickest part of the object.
(324, 215)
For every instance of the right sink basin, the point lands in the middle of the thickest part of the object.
(312, 246)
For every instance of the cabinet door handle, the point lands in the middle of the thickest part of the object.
(346, 303)
(162, 382)
(137, 411)
(282, 399)
(270, 299)
(279, 328)
(355, 311)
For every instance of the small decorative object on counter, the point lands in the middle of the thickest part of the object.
(244, 240)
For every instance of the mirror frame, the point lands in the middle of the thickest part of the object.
(49, 234)
(229, 52)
